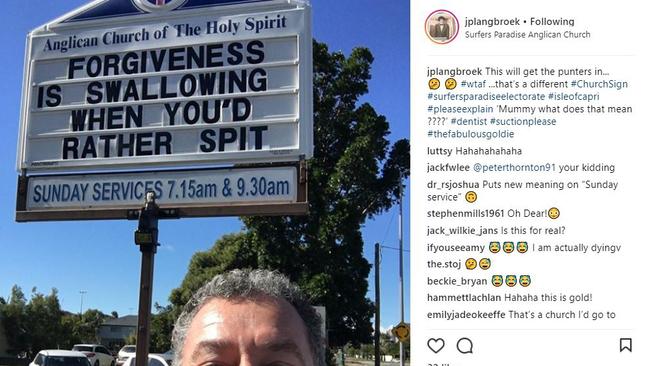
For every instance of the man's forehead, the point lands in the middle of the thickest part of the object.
(271, 309)
(260, 323)
(219, 318)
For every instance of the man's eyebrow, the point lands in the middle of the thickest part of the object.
(216, 346)
(210, 347)
(285, 345)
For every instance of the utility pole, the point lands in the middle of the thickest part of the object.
(147, 238)
(377, 306)
(81, 307)
(401, 266)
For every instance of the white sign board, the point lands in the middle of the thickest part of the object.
(172, 189)
(278, 189)
(150, 83)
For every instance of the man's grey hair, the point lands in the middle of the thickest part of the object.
(250, 284)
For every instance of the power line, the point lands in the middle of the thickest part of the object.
(390, 225)
(393, 248)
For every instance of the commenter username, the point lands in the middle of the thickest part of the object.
(452, 315)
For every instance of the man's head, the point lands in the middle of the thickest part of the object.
(248, 318)
(442, 20)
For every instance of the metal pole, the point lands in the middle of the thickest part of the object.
(81, 307)
(147, 238)
(401, 266)
(377, 307)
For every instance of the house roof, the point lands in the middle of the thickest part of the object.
(125, 321)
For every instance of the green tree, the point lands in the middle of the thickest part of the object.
(367, 351)
(161, 326)
(14, 315)
(43, 320)
(388, 345)
(354, 175)
(86, 329)
(70, 331)
(40, 323)
(230, 252)
(132, 339)
(35, 324)
(162, 323)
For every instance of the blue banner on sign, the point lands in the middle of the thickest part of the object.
(203, 3)
(120, 8)
(107, 9)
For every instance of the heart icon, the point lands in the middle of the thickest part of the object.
(436, 344)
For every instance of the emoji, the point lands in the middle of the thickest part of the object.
(497, 280)
(508, 247)
(484, 263)
(450, 84)
(471, 196)
(470, 263)
(553, 213)
(522, 247)
(511, 280)
(495, 247)
(434, 84)
(524, 280)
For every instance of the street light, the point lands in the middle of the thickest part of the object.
(81, 307)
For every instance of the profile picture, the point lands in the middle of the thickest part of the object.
(441, 26)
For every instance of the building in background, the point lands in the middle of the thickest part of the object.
(113, 332)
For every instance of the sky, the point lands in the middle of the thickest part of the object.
(100, 258)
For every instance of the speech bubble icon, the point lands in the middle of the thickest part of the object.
(465, 346)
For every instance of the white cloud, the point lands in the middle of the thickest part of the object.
(167, 247)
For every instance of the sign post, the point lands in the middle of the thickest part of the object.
(198, 108)
(147, 238)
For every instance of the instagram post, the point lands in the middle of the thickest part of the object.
(324, 183)
(193, 182)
